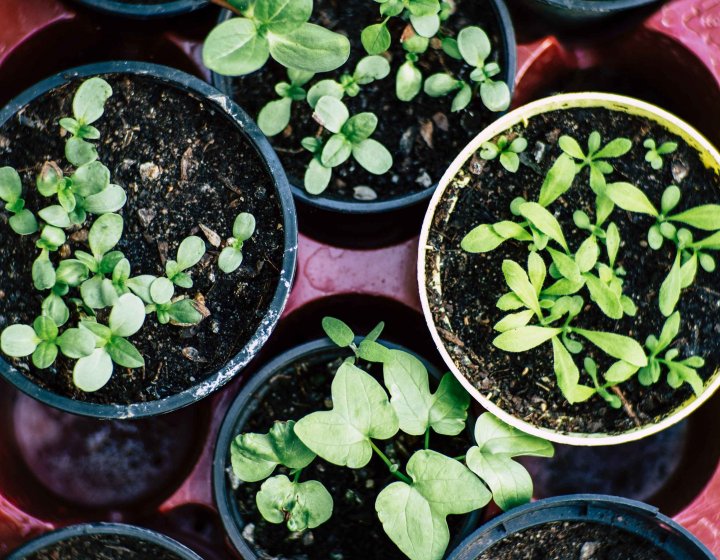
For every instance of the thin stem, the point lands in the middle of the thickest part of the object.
(427, 438)
(392, 466)
(459, 458)
(298, 472)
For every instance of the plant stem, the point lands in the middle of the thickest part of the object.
(459, 458)
(298, 472)
(390, 464)
(427, 438)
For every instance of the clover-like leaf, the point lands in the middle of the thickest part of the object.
(255, 456)
(414, 515)
(302, 505)
(361, 412)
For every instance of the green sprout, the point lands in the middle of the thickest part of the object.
(474, 47)
(424, 15)
(275, 116)
(272, 28)
(351, 137)
(542, 312)
(22, 221)
(101, 277)
(414, 508)
(231, 257)
(654, 154)
(506, 149)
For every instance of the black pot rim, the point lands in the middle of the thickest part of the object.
(145, 11)
(229, 428)
(122, 529)
(507, 45)
(230, 109)
(631, 515)
(593, 7)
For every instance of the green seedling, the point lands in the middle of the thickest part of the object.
(507, 150)
(275, 116)
(368, 70)
(414, 508)
(22, 221)
(272, 28)
(231, 257)
(189, 253)
(350, 137)
(655, 153)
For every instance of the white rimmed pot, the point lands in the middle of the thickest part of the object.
(709, 156)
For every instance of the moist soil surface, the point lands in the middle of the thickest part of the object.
(104, 547)
(524, 384)
(422, 135)
(574, 540)
(354, 531)
(178, 173)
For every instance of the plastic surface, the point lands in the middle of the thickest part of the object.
(194, 86)
(670, 56)
(145, 11)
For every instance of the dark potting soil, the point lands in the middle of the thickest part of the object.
(354, 531)
(574, 540)
(422, 135)
(524, 384)
(103, 547)
(182, 164)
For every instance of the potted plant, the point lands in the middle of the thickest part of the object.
(313, 452)
(372, 128)
(144, 267)
(145, 9)
(582, 526)
(103, 540)
(566, 268)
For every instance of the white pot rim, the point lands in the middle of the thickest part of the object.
(709, 156)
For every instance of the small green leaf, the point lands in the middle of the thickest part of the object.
(184, 313)
(688, 270)
(45, 328)
(331, 113)
(323, 88)
(105, 233)
(670, 288)
(336, 151)
(19, 341)
(669, 332)
(372, 156)
(162, 290)
(140, 286)
(55, 216)
(565, 265)
(543, 221)
(617, 346)
(359, 127)
(612, 243)
(93, 372)
(89, 179)
(275, 116)
(408, 81)
(230, 260)
(425, 25)
(705, 217)
(89, 100)
(302, 505)
(43, 272)
(44, 355)
(568, 375)
(524, 338)
(514, 320)
(127, 316)
(235, 48)
(111, 199)
(361, 412)
(495, 95)
(317, 177)
(310, 47)
(630, 198)
(481, 239)
(54, 307)
(558, 180)
(613, 149)
(441, 84)
(124, 353)
(474, 45)
(604, 296)
(78, 152)
(462, 99)
(376, 38)
(338, 331)
(670, 199)
(620, 372)
(10, 185)
(587, 254)
(23, 222)
(518, 281)
(76, 343)
(190, 251)
(371, 68)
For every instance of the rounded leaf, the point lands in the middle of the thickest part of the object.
(190, 251)
(90, 179)
(376, 38)
(55, 216)
(408, 81)
(105, 233)
(441, 84)
(123, 353)
(19, 341)
(275, 116)
(474, 45)
(371, 68)
(23, 223)
(127, 315)
(338, 331)
(309, 47)
(230, 259)
(45, 328)
(324, 87)
(425, 26)
(89, 100)
(317, 177)
(44, 355)
(78, 152)
(111, 199)
(76, 343)
(162, 290)
(336, 151)
(234, 48)
(10, 184)
(92, 372)
(495, 95)
(373, 156)
(331, 113)
(244, 226)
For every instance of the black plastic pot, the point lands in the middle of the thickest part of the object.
(578, 12)
(223, 105)
(93, 529)
(629, 515)
(145, 11)
(239, 413)
(357, 223)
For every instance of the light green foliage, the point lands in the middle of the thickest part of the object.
(350, 136)
(275, 116)
(231, 256)
(655, 153)
(413, 510)
(544, 300)
(506, 149)
(101, 276)
(277, 29)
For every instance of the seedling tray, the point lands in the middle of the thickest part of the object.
(57, 469)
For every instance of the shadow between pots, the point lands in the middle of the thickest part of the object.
(667, 470)
(60, 467)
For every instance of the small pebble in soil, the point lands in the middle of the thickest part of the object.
(424, 179)
(150, 171)
(212, 237)
(679, 171)
(363, 192)
(588, 550)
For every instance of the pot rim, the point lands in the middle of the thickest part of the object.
(595, 508)
(145, 11)
(568, 8)
(223, 104)
(228, 430)
(507, 45)
(139, 533)
(709, 156)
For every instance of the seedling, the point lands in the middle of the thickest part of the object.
(549, 313)
(351, 136)
(102, 277)
(413, 509)
(272, 28)
(655, 153)
(231, 256)
(507, 150)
